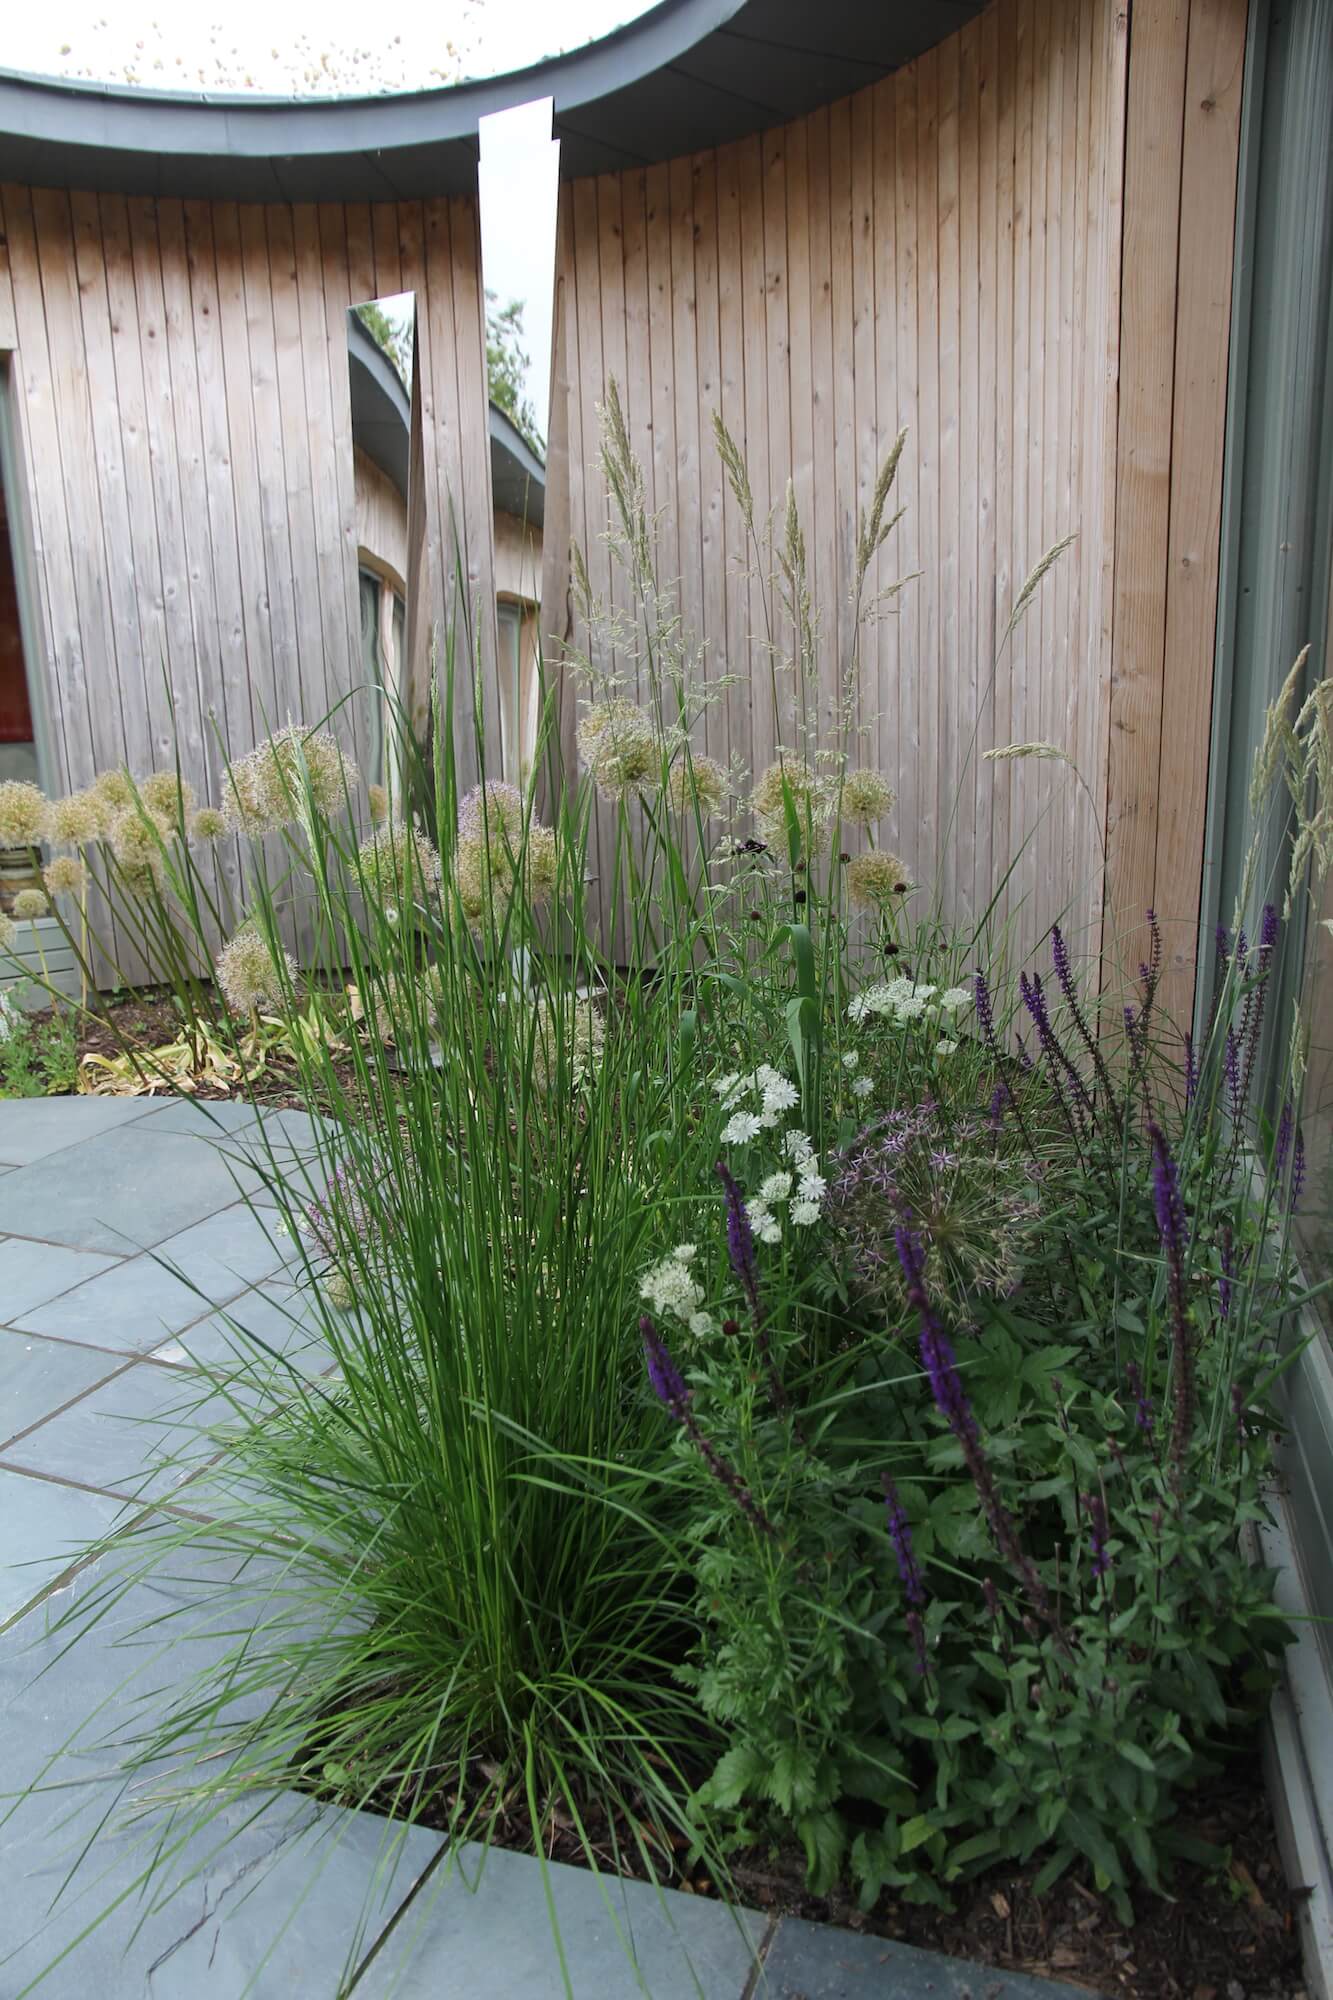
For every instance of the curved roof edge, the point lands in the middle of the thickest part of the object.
(686, 75)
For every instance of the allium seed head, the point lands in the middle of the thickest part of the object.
(25, 814)
(65, 876)
(167, 795)
(867, 797)
(619, 748)
(397, 864)
(8, 932)
(250, 975)
(491, 811)
(812, 800)
(267, 789)
(877, 880)
(114, 790)
(29, 904)
(78, 820)
(377, 804)
(700, 782)
(208, 824)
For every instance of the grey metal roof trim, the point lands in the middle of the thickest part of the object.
(686, 74)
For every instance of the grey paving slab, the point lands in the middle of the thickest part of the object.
(38, 1376)
(486, 1930)
(218, 1119)
(46, 1528)
(130, 1309)
(31, 1273)
(816, 1962)
(228, 1252)
(140, 1435)
(278, 1320)
(124, 1190)
(31, 1128)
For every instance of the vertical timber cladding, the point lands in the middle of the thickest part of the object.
(940, 251)
(184, 408)
(1186, 71)
(1019, 246)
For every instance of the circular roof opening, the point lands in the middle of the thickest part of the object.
(300, 48)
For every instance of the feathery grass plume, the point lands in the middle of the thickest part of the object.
(65, 876)
(208, 824)
(733, 463)
(1033, 583)
(377, 804)
(619, 748)
(1310, 783)
(8, 932)
(696, 782)
(873, 530)
(29, 904)
(811, 798)
(167, 795)
(25, 814)
(1007, 752)
(397, 863)
(877, 880)
(867, 798)
(1278, 750)
(251, 975)
(79, 820)
(265, 791)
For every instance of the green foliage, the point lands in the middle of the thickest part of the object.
(38, 1058)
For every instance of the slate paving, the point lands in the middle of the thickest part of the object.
(101, 1416)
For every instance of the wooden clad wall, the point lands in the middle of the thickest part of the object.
(185, 413)
(940, 251)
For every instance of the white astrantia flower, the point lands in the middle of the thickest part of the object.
(768, 1118)
(945, 1047)
(685, 1253)
(702, 1324)
(862, 1086)
(766, 1077)
(803, 1213)
(725, 1086)
(757, 1212)
(669, 1288)
(796, 1146)
(780, 1095)
(813, 1186)
(955, 998)
(850, 1059)
(740, 1129)
(770, 1231)
(776, 1188)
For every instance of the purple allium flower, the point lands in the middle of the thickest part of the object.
(900, 1534)
(1098, 1534)
(669, 1384)
(1143, 1409)
(1174, 1230)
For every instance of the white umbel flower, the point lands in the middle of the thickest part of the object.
(740, 1129)
(803, 1213)
(776, 1188)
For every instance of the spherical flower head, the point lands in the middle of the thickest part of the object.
(491, 811)
(541, 865)
(208, 824)
(114, 792)
(78, 820)
(575, 1032)
(619, 748)
(804, 1213)
(137, 840)
(863, 1086)
(877, 881)
(397, 864)
(483, 890)
(29, 904)
(696, 783)
(25, 814)
(946, 1046)
(811, 799)
(867, 798)
(167, 796)
(8, 933)
(267, 790)
(338, 1291)
(251, 975)
(377, 804)
(65, 876)
(776, 1188)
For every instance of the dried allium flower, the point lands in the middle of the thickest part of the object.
(78, 820)
(696, 782)
(619, 748)
(114, 791)
(25, 814)
(137, 841)
(30, 904)
(397, 864)
(377, 804)
(867, 797)
(488, 874)
(251, 975)
(812, 800)
(208, 824)
(492, 809)
(877, 880)
(167, 795)
(577, 1032)
(338, 1291)
(65, 876)
(266, 790)
(8, 933)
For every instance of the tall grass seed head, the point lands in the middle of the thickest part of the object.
(877, 880)
(697, 782)
(25, 814)
(78, 820)
(65, 876)
(29, 905)
(619, 748)
(167, 796)
(867, 797)
(250, 975)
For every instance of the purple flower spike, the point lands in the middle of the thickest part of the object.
(1297, 1170)
(1231, 1066)
(918, 1635)
(668, 1383)
(1143, 1409)
(937, 1356)
(995, 1117)
(900, 1534)
(985, 1008)
(1098, 1534)
(1174, 1229)
(1191, 1070)
(740, 1237)
(1283, 1146)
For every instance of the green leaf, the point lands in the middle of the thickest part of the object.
(736, 1772)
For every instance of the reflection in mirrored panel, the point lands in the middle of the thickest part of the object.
(517, 184)
(380, 340)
